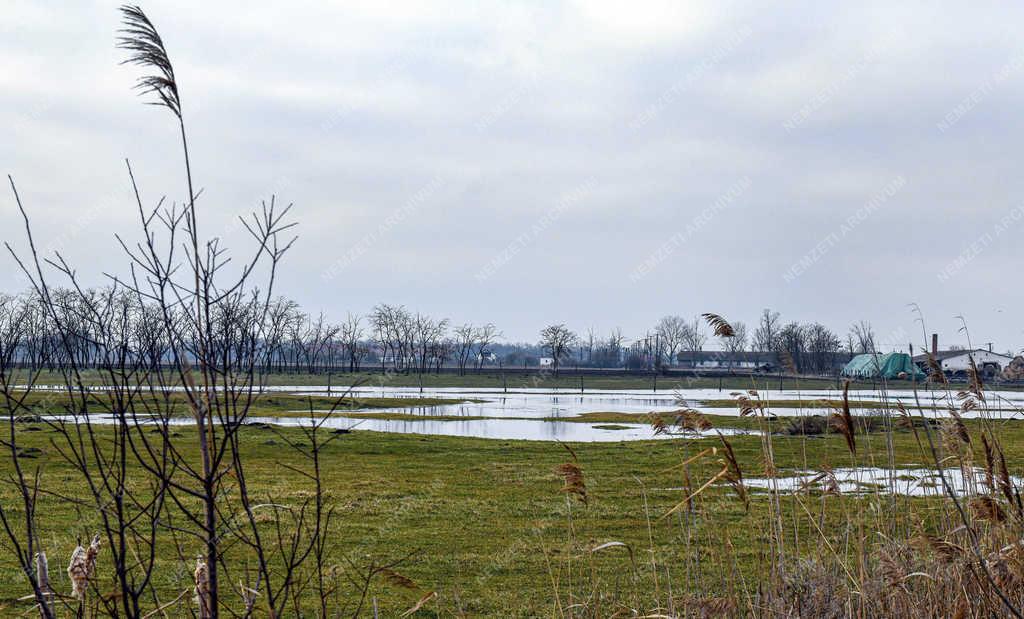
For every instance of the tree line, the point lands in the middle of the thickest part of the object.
(392, 337)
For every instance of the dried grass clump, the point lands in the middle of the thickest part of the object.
(82, 567)
(987, 508)
(932, 576)
(808, 588)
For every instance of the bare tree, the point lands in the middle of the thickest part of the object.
(351, 337)
(465, 340)
(673, 334)
(822, 347)
(791, 345)
(694, 336)
(281, 314)
(485, 336)
(558, 340)
(767, 333)
(614, 346)
(863, 336)
(315, 340)
(737, 343)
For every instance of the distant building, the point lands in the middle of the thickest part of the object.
(956, 362)
(720, 359)
(883, 365)
(546, 362)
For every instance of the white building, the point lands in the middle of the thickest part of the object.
(958, 361)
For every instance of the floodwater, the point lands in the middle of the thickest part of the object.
(510, 429)
(537, 413)
(547, 403)
(500, 429)
(906, 482)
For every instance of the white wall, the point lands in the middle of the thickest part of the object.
(962, 362)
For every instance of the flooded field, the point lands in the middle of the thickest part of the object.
(546, 414)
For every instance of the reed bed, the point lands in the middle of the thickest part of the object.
(820, 550)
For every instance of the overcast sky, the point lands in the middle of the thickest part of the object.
(596, 163)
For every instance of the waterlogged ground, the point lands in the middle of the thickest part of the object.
(588, 415)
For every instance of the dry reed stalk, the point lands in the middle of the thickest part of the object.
(419, 604)
(704, 452)
(735, 474)
(990, 464)
(935, 373)
(842, 420)
(705, 486)
(955, 431)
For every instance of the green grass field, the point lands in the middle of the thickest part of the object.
(487, 527)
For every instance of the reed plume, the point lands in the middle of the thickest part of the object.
(573, 482)
(140, 37)
(720, 325)
(842, 420)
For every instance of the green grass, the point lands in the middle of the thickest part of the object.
(491, 528)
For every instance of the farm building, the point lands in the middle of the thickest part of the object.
(956, 362)
(719, 359)
(890, 365)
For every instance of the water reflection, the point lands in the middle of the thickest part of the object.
(504, 429)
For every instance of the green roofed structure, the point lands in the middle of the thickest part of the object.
(890, 365)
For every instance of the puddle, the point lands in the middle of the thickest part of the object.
(906, 482)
